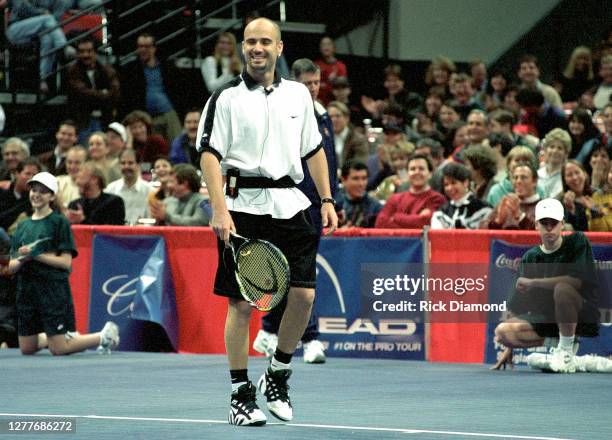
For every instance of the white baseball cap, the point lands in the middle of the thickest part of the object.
(46, 179)
(549, 208)
(119, 129)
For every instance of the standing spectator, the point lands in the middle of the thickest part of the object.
(576, 195)
(557, 144)
(517, 209)
(14, 201)
(184, 206)
(150, 84)
(412, 208)
(183, 149)
(603, 94)
(330, 67)
(463, 210)
(55, 159)
(95, 207)
(14, 150)
(148, 146)
(582, 130)
(131, 188)
(355, 207)
(223, 65)
(348, 142)
(28, 19)
(93, 90)
(578, 75)
(98, 153)
(529, 74)
(67, 188)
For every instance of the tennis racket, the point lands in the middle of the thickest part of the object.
(261, 270)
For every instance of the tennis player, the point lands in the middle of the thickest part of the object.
(45, 313)
(555, 294)
(253, 133)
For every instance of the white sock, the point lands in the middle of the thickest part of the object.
(566, 342)
(276, 365)
(235, 386)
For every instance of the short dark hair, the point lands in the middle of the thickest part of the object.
(528, 164)
(501, 139)
(457, 171)
(436, 147)
(30, 161)
(352, 164)
(421, 156)
(187, 173)
(88, 39)
(528, 58)
(303, 65)
(529, 97)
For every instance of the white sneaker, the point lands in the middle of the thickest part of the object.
(109, 338)
(562, 361)
(273, 385)
(243, 407)
(593, 364)
(314, 352)
(539, 361)
(265, 343)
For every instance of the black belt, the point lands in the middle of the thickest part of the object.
(235, 182)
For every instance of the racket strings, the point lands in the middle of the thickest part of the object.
(263, 274)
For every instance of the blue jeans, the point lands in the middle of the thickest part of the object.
(24, 31)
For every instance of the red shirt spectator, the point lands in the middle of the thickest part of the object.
(331, 69)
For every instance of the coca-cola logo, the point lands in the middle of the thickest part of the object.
(504, 262)
(119, 288)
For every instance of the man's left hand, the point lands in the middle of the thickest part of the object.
(329, 218)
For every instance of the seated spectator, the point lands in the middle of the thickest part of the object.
(14, 151)
(433, 103)
(576, 195)
(463, 96)
(601, 212)
(448, 118)
(162, 172)
(516, 155)
(517, 209)
(116, 138)
(223, 65)
(331, 68)
(14, 201)
(379, 165)
(510, 103)
(148, 146)
(348, 142)
(582, 130)
(341, 90)
(502, 122)
(412, 208)
(529, 74)
(501, 145)
(598, 164)
(355, 207)
(605, 138)
(557, 144)
(29, 18)
(98, 153)
(95, 207)
(92, 89)
(67, 188)
(55, 159)
(183, 149)
(482, 163)
(496, 87)
(603, 94)
(578, 75)
(399, 154)
(131, 188)
(184, 206)
(463, 210)
(538, 115)
(435, 153)
(439, 73)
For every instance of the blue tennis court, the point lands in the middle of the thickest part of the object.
(152, 395)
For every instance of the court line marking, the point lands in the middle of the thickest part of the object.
(298, 425)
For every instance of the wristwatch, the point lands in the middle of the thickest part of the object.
(328, 200)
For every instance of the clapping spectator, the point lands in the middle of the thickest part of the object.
(224, 64)
(576, 195)
(598, 164)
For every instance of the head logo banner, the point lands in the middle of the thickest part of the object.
(131, 282)
(503, 272)
(347, 326)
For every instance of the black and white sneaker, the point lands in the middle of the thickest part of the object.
(243, 407)
(273, 385)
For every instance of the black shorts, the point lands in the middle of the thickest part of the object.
(296, 237)
(44, 306)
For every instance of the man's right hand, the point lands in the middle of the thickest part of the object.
(222, 224)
